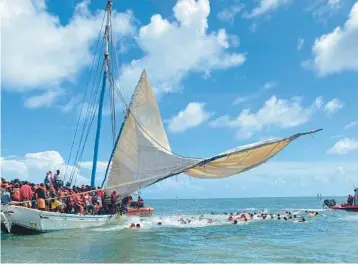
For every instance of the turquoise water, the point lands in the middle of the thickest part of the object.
(331, 236)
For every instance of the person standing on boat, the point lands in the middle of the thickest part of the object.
(350, 200)
(41, 197)
(26, 194)
(47, 180)
(114, 197)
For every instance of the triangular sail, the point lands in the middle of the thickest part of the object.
(142, 153)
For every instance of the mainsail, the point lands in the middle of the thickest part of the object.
(142, 154)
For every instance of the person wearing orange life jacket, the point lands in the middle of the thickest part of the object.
(16, 196)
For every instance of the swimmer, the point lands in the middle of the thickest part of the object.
(279, 218)
(290, 217)
(302, 220)
(294, 216)
(210, 221)
(132, 226)
(285, 218)
(230, 218)
(235, 222)
(137, 226)
(159, 223)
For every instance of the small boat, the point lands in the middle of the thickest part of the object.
(352, 206)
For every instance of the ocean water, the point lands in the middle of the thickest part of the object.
(332, 236)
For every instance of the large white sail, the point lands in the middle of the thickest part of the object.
(142, 154)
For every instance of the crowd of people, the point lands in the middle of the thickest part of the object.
(53, 195)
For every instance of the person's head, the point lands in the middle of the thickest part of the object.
(279, 218)
(294, 216)
(285, 218)
(42, 185)
(303, 219)
(278, 215)
(159, 223)
(132, 225)
(245, 219)
(235, 222)
(137, 226)
(58, 172)
(316, 213)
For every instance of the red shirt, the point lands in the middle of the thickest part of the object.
(25, 192)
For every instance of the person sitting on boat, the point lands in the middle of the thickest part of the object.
(140, 202)
(55, 205)
(41, 197)
(16, 193)
(350, 200)
(5, 195)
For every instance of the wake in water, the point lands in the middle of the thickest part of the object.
(213, 219)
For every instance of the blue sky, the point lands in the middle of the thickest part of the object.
(225, 73)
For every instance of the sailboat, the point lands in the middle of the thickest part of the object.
(141, 157)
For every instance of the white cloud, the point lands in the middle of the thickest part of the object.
(17, 167)
(101, 165)
(350, 125)
(333, 106)
(323, 9)
(173, 49)
(275, 112)
(266, 6)
(228, 14)
(269, 85)
(300, 43)
(33, 167)
(343, 146)
(44, 100)
(193, 115)
(319, 102)
(40, 52)
(334, 52)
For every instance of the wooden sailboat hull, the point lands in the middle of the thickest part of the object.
(27, 220)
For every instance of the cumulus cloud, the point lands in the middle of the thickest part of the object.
(46, 99)
(266, 6)
(33, 167)
(343, 146)
(275, 112)
(333, 106)
(193, 115)
(334, 52)
(40, 52)
(174, 48)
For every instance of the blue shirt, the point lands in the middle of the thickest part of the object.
(5, 197)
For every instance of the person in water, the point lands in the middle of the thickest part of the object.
(302, 220)
(235, 222)
(132, 226)
(159, 223)
(137, 226)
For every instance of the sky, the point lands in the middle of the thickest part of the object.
(225, 74)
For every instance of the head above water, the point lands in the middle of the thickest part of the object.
(138, 226)
(159, 223)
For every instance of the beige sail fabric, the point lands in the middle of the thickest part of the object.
(237, 161)
(142, 155)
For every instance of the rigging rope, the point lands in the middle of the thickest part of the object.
(88, 81)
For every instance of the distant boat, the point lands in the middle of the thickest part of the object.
(352, 206)
(141, 154)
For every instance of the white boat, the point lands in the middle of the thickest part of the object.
(141, 154)
(19, 219)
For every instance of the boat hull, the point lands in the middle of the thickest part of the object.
(144, 211)
(25, 220)
(349, 208)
